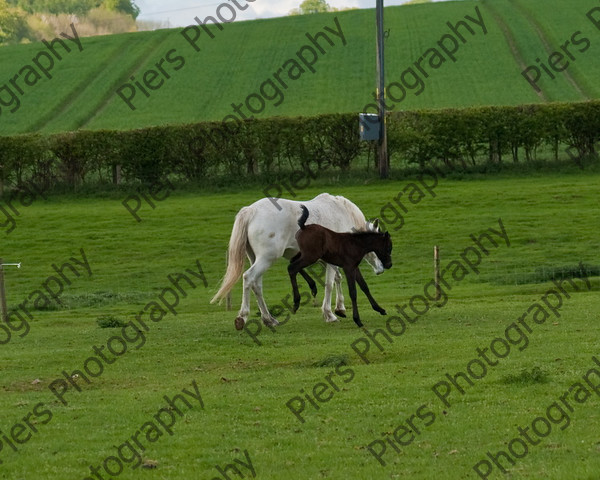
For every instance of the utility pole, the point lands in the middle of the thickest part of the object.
(382, 151)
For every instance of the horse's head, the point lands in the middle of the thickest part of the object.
(373, 226)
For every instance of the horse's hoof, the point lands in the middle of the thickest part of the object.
(383, 312)
(239, 323)
(270, 322)
(332, 320)
(341, 313)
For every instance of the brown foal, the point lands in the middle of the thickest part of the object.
(344, 250)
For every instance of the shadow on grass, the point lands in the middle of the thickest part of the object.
(526, 377)
(548, 273)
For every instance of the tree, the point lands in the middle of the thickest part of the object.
(13, 26)
(124, 6)
(77, 7)
(55, 7)
(311, 6)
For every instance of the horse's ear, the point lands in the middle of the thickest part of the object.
(376, 224)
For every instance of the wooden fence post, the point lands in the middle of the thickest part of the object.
(436, 272)
(2, 293)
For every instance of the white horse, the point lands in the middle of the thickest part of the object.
(266, 231)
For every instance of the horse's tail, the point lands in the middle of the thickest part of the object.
(235, 253)
(303, 217)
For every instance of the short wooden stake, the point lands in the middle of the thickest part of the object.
(2, 291)
(3, 294)
(436, 272)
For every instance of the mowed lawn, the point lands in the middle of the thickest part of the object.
(551, 221)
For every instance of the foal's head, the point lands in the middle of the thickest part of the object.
(383, 249)
(371, 257)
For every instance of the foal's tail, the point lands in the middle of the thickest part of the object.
(303, 217)
(236, 252)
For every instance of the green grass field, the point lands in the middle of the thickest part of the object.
(234, 64)
(551, 222)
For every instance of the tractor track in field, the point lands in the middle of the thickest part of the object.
(110, 92)
(79, 91)
(538, 28)
(512, 43)
(62, 107)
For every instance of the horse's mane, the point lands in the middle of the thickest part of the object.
(358, 218)
(364, 234)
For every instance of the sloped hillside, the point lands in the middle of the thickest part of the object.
(447, 54)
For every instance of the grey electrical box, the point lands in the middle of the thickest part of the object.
(369, 126)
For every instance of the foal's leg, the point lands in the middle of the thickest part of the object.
(311, 283)
(309, 280)
(295, 266)
(350, 277)
(363, 286)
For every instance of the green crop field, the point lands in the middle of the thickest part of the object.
(479, 64)
(233, 387)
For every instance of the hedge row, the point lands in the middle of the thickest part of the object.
(474, 135)
(189, 152)
(466, 137)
